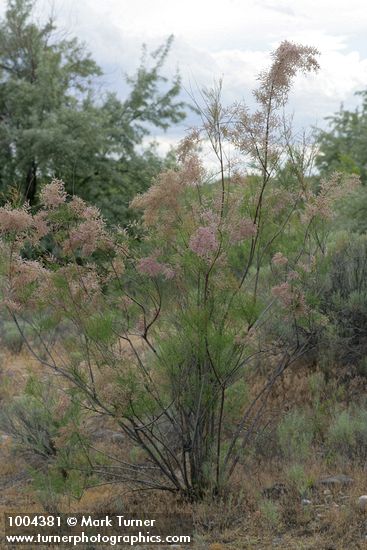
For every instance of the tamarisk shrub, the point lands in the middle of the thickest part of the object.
(161, 326)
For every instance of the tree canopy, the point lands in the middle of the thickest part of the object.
(53, 124)
(343, 146)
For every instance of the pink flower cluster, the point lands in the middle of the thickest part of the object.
(22, 274)
(210, 217)
(86, 237)
(84, 283)
(151, 267)
(25, 272)
(40, 225)
(244, 229)
(188, 145)
(284, 293)
(160, 203)
(290, 298)
(82, 209)
(331, 190)
(14, 219)
(279, 259)
(288, 59)
(53, 194)
(204, 241)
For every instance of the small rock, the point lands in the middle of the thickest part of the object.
(306, 502)
(333, 481)
(362, 503)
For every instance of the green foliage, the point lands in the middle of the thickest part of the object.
(10, 337)
(298, 479)
(30, 419)
(100, 328)
(270, 512)
(344, 299)
(295, 435)
(45, 426)
(344, 146)
(52, 124)
(347, 435)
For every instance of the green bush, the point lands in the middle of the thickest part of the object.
(10, 337)
(343, 290)
(347, 434)
(298, 479)
(44, 424)
(270, 512)
(295, 436)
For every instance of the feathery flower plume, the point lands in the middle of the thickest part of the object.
(16, 220)
(151, 267)
(161, 202)
(204, 241)
(86, 237)
(25, 272)
(331, 190)
(288, 59)
(284, 293)
(188, 145)
(84, 210)
(40, 226)
(279, 259)
(243, 229)
(290, 298)
(53, 194)
(10, 305)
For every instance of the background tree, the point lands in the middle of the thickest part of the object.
(343, 146)
(53, 125)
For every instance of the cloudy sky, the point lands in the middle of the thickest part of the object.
(227, 38)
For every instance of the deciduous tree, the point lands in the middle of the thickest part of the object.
(52, 124)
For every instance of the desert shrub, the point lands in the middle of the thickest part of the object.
(293, 513)
(26, 422)
(167, 325)
(343, 300)
(299, 481)
(347, 434)
(10, 337)
(295, 435)
(270, 512)
(29, 419)
(265, 443)
(44, 425)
